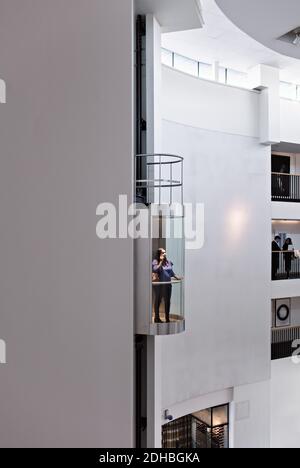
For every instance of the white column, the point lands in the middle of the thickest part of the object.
(153, 103)
(154, 84)
(216, 71)
(266, 79)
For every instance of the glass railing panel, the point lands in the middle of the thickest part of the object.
(168, 249)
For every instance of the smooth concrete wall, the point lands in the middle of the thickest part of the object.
(285, 411)
(228, 280)
(227, 342)
(285, 288)
(290, 121)
(251, 416)
(209, 105)
(284, 210)
(66, 297)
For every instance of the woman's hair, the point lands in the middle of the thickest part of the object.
(158, 254)
(288, 241)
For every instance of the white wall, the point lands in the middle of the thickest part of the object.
(284, 210)
(227, 342)
(209, 105)
(290, 121)
(285, 419)
(202, 402)
(195, 107)
(227, 338)
(251, 415)
(285, 288)
(66, 296)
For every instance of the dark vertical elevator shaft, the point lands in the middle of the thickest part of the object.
(141, 125)
(141, 197)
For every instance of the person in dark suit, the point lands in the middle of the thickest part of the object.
(275, 256)
(288, 256)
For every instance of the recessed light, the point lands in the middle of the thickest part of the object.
(296, 41)
(293, 37)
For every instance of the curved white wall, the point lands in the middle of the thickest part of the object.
(227, 343)
(209, 105)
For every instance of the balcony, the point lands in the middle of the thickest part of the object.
(285, 187)
(286, 265)
(283, 342)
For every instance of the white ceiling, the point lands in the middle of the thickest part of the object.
(173, 15)
(266, 21)
(220, 40)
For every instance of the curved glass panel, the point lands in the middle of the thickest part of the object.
(167, 274)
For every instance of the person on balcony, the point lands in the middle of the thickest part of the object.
(288, 255)
(275, 256)
(162, 270)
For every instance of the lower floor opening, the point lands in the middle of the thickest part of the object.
(207, 428)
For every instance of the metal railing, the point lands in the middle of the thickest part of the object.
(285, 187)
(282, 341)
(160, 178)
(285, 265)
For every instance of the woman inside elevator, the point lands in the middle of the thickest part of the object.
(162, 270)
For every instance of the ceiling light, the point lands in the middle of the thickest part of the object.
(292, 37)
(296, 41)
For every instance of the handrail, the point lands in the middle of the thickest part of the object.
(284, 251)
(157, 183)
(177, 159)
(284, 174)
(159, 283)
(157, 170)
(290, 327)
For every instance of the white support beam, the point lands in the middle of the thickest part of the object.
(266, 79)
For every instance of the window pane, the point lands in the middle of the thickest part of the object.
(166, 57)
(288, 90)
(205, 71)
(204, 416)
(220, 415)
(186, 65)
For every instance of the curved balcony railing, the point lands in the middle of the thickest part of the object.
(159, 178)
